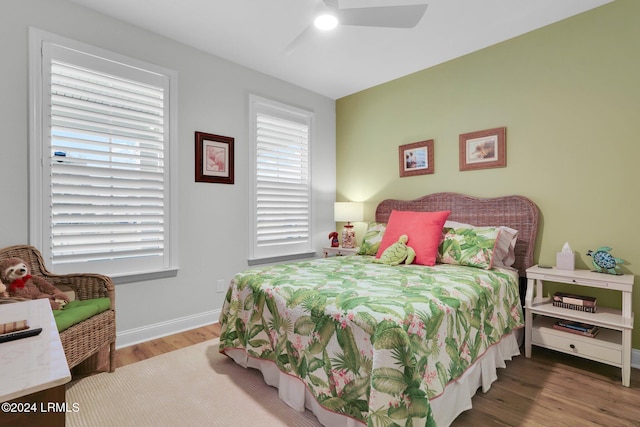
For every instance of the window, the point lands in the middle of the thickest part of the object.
(101, 157)
(281, 196)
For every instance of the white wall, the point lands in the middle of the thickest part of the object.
(213, 98)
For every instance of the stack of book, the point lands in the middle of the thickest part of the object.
(574, 302)
(583, 329)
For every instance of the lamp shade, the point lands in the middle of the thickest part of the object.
(348, 211)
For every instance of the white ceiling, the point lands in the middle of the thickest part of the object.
(257, 34)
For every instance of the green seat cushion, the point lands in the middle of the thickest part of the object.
(77, 311)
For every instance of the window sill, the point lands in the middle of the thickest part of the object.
(278, 259)
(144, 275)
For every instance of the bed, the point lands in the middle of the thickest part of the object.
(359, 342)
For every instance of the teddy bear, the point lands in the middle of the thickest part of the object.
(22, 284)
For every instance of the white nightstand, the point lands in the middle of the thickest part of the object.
(611, 346)
(339, 251)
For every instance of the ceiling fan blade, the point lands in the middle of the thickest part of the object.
(301, 39)
(384, 16)
(331, 3)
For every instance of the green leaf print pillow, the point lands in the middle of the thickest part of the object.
(372, 238)
(473, 247)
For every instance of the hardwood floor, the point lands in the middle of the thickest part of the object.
(554, 389)
(142, 351)
(550, 389)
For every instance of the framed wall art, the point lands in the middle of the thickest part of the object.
(214, 158)
(416, 158)
(483, 149)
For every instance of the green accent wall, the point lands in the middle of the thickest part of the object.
(569, 96)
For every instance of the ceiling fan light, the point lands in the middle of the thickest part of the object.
(326, 21)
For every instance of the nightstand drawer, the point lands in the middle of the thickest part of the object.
(576, 281)
(339, 251)
(590, 348)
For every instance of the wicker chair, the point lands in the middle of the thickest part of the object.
(84, 341)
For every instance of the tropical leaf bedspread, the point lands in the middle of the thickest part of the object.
(370, 341)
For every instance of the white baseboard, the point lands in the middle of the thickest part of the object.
(162, 329)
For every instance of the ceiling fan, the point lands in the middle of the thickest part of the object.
(330, 15)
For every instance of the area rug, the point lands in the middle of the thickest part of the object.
(193, 386)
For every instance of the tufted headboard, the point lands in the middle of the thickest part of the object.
(516, 212)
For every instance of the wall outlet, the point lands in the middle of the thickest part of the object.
(220, 285)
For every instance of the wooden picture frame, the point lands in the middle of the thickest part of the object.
(483, 149)
(416, 158)
(214, 158)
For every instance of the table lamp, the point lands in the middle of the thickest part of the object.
(348, 212)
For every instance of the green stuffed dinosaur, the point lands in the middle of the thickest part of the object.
(397, 253)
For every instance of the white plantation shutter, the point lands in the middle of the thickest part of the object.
(105, 189)
(107, 162)
(282, 185)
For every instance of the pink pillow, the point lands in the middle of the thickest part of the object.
(423, 228)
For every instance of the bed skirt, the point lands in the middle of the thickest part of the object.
(446, 407)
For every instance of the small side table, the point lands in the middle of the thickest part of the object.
(339, 251)
(612, 345)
